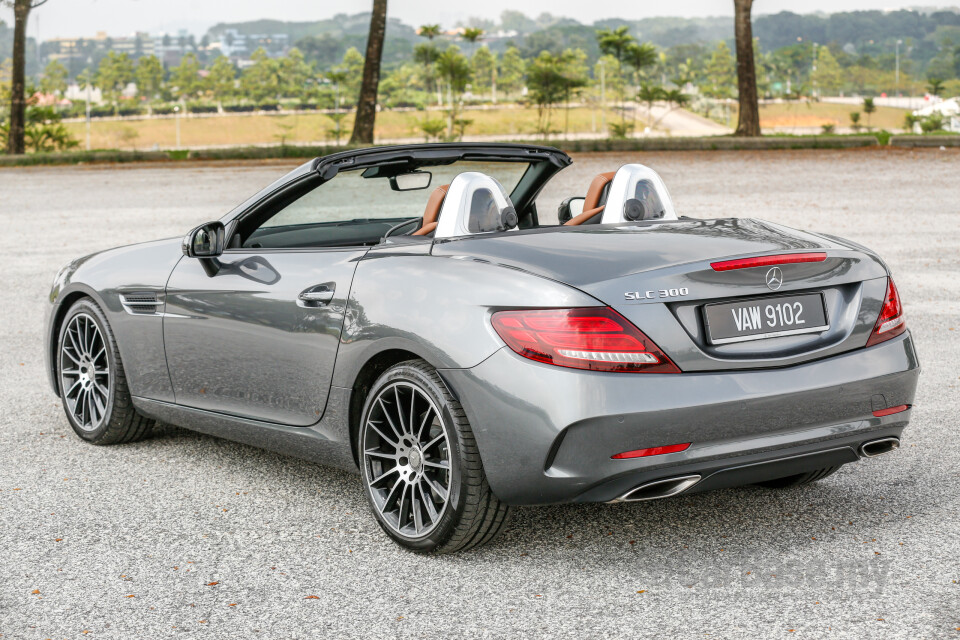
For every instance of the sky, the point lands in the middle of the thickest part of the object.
(76, 18)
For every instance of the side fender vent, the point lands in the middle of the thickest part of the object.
(143, 303)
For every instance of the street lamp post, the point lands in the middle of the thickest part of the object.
(176, 117)
(603, 96)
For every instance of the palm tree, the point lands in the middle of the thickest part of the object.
(748, 119)
(616, 43)
(471, 35)
(650, 93)
(367, 104)
(16, 143)
(429, 31)
(426, 54)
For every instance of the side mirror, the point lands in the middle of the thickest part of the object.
(570, 208)
(206, 241)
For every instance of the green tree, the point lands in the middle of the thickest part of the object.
(352, 64)
(54, 78)
(484, 65)
(294, 74)
(261, 79)
(649, 94)
(114, 74)
(149, 76)
(869, 108)
(545, 82)
(616, 43)
(719, 74)
(934, 85)
(472, 35)
(185, 77)
(429, 31)
(574, 76)
(222, 79)
(426, 54)
(512, 69)
(828, 76)
(15, 139)
(454, 68)
(855, 121)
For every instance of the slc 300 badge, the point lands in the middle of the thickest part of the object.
(656, 293)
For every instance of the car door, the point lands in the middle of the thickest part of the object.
(243, 341)
(254, 332)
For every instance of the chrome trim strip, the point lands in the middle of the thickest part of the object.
(774, 334)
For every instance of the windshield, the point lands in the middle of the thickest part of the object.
(350, 196)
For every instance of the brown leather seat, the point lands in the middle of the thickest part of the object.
(595, 200)
(432, 211)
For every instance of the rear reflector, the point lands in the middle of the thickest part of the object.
(891, 410)
(595, 338)
(890, 322)
(767, 261)
(652, 451)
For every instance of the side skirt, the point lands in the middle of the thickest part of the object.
(326, 443)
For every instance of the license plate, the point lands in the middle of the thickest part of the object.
(765, 318)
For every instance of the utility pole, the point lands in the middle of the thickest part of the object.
(899, 42)
(603, 96)
(88, 115)
(813, 74)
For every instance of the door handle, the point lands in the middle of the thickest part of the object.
(316, 296)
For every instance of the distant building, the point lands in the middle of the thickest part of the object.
(67, 50)
(240, 46)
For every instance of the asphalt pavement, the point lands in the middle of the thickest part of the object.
(186, 535)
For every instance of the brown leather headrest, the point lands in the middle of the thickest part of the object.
(432, 211)
(592, 201)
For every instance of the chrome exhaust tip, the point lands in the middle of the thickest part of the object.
(879, 447)
(659, 489)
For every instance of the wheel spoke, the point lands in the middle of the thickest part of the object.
(392, 442)
(428, 502)
(403, 503)
(440, 437)
(386, 501)
(415, 506)
(386, 414)
(381, 454)
(437, 487)
(413, 402)
(396, 395)
(437, 465)
(423, 423)
(384, 475)
(98, 403)
(64, 351)
(70, 372)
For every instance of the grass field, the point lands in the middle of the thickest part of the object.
(816, 114)
(312, 127)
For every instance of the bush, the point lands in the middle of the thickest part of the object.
(827, 128)
(162, 109)
(932, 123)
(269, 106)
(101, 111)
(307, 106)
(239, 108)
(198, 107)
(130, 111)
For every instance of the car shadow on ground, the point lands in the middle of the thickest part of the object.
(760, 522)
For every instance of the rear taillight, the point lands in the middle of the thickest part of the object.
(891, 322)
(595, 338)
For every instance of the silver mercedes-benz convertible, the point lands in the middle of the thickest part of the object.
(403, 311)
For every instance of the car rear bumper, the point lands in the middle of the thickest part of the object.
(546, 434)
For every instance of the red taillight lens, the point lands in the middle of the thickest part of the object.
(595, 338)
(768, 261)
(891, 322)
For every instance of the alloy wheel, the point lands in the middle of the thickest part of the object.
(406, 456)
(85, 372)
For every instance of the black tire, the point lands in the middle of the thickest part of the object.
(799, 479)
(112, 417)
(472, 515)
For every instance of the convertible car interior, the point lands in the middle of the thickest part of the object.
(416, 199)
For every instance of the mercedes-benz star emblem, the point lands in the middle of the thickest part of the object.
(774, 278)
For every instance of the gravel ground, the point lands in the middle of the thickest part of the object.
(185, 535)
